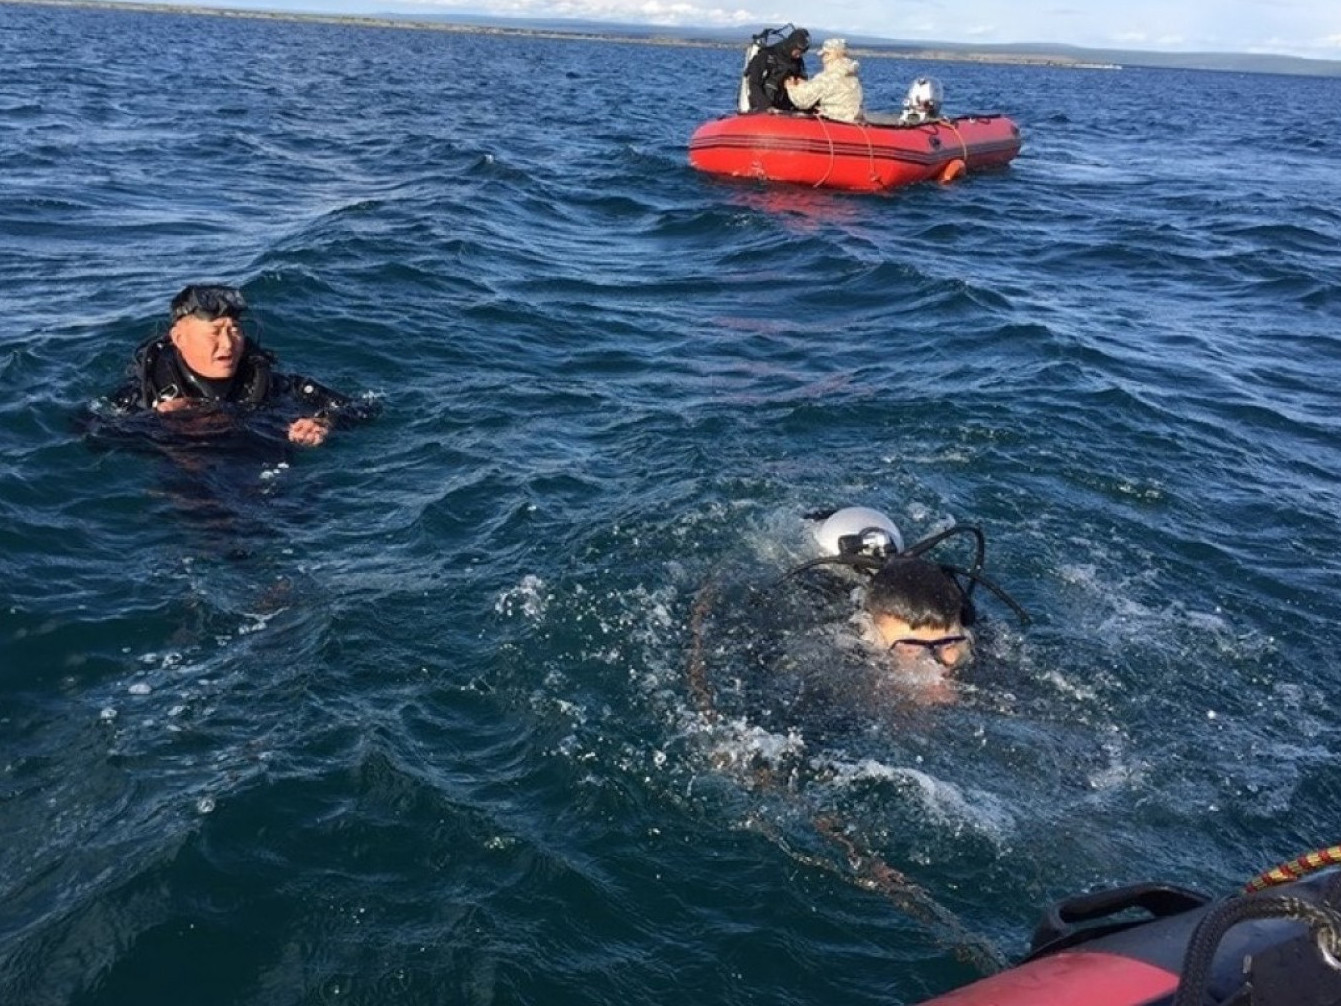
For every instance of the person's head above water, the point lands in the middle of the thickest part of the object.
(917, 609)
(206, 329)
(205, 363)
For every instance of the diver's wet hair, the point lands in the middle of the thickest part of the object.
(919, 592)
(208, 301)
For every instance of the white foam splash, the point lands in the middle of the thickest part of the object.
(529, 598)
(945, 802)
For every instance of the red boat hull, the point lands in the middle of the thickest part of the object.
(809, 150)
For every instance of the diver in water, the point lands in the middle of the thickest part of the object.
(205, 361)
(812, 691)
(914, 625)
(921, 613)
(771, 67)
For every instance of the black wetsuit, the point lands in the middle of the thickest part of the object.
(768, 72)
(158, 373)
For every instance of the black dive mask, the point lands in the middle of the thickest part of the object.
(209, 302)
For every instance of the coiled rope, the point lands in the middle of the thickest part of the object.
(1323, 920)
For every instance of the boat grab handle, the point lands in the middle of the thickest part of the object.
(1061, 921)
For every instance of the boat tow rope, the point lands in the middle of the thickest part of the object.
(1293, 869)
(871, 873)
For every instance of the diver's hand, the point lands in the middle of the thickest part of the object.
(172, 404)
(309, 432)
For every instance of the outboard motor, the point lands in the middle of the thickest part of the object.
(923, 101)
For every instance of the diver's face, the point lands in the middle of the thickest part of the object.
(948, 645)
(210, 347)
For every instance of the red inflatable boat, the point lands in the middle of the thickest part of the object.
(865, 157)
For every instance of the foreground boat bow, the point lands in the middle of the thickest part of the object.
(1276, 944)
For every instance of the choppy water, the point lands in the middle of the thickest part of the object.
(407, 719)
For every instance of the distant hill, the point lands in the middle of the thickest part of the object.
(1022, 52)
(1234, 62)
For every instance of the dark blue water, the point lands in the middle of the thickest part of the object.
(408, 719)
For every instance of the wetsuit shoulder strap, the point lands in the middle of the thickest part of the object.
(151, 372)
(256, 379)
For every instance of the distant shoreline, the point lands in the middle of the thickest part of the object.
(1015, 54)
(653, 37)
(353, 20)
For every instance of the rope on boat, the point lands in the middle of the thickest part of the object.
(957, 166)
(1293, 869)
(1323, 921)
(870, 152)
(829, 170)
(963, 144)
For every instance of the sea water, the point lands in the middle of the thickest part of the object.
(494, 700)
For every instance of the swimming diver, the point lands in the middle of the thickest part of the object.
(919, 617)
(920, 612)
(205, 361)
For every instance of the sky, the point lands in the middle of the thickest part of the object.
(1308, 28)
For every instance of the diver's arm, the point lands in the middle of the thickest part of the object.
(128, 398)
(336, 410)
(312, 430)
(330, 410)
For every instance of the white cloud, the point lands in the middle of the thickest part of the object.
(662, 12)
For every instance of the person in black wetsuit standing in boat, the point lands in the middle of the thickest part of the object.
(770, 69)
